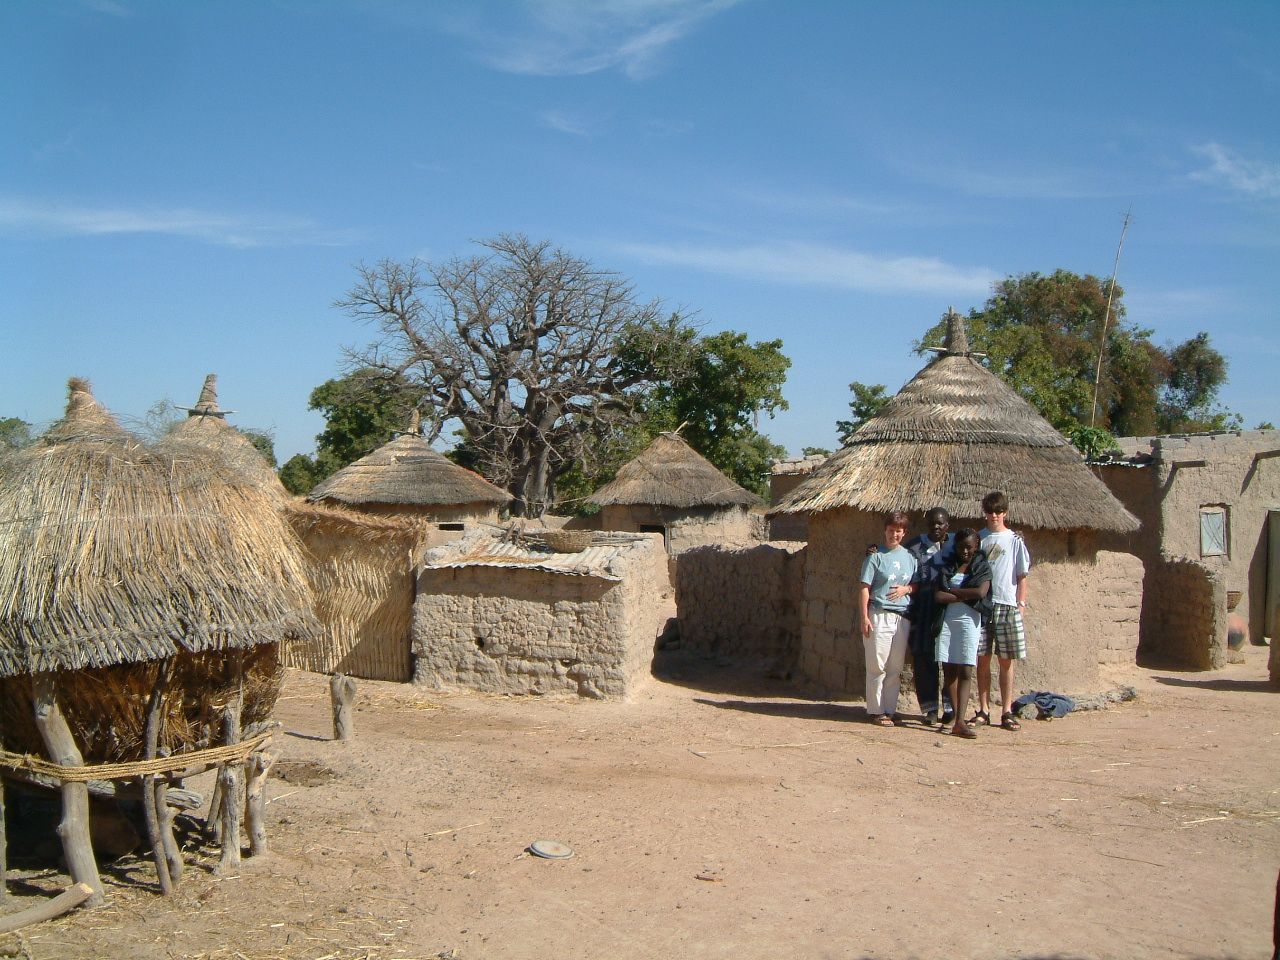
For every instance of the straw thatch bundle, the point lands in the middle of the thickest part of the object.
(671, 473)
(361, 570)
(113, 555)
(953, 434)
(206, 433)
(406, 471)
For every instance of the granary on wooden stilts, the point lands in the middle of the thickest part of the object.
(406, 478)
(143, 600)
(952, 434)
(670, 488)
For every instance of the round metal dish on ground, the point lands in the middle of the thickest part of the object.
(550, 850)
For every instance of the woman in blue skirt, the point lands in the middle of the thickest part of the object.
(963, 585)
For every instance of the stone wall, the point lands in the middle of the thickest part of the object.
(524, 631)
(742, 602)
(1184, 616)
(686, 529)
(1083, 607)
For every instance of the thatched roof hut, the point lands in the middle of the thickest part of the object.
(406, 474)
(111, 553)
(671, 473)
(206, 431)
(671, 488)
(954, 433)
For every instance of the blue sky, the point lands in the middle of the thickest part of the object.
(186, 186)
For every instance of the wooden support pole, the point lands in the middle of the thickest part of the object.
(172, 852)
(61, 746)
(229, 777)
(4, 850)
(255, 806)
(151, 745)
(213, 823)
(342, 691)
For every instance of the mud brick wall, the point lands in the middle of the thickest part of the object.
(522, 631)
(1083, 608)
(1184, 614)
(688, 528)
(742, 601)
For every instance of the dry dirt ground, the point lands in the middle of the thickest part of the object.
(717, 815)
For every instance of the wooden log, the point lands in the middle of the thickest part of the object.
(213, 823)
(229, 777)
(342, 691)
(150, 746)
(74, 828)
(68, 899)
(255, 806)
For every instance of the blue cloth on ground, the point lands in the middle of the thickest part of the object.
(1047, 704)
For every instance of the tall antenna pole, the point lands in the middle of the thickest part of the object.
(1106, 319)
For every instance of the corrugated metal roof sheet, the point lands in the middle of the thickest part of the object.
(595, 561)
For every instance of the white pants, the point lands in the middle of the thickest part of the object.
(886, 648)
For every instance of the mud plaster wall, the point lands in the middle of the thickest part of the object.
(1238, 470)
(687, 528)
(471, 516)
(787, 526)
(742, 602)
(1189, 615)
(1084, 607)
(507, 630)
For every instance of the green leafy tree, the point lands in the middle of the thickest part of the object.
(1188, 403)
(1092, 442)
(815, 452)
(868, 400)
(1042, 335)
(363, 409)
(300, 474)
(14, 434)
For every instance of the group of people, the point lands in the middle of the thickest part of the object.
(954, 599)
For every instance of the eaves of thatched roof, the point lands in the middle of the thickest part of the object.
(113, 553)
(671, 473)
(205, 434)
(407, 471)
(953, 434)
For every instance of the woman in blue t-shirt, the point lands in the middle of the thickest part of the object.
(963, 585)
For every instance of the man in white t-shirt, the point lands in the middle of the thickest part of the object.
(1003, 632)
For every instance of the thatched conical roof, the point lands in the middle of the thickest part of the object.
(113, 553)
(407, 471)
(671, 473)
(206, 432)
(953, 434)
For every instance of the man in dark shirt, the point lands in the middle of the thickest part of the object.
(930, 546)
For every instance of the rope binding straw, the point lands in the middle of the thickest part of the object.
(122, 771)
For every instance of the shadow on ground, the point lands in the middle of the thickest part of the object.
(1225, 684)
(709, 673)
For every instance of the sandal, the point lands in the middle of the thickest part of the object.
(1010, 722)
(967, 733)
(883, 721)
(981, 717)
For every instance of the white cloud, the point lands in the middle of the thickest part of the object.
(575, 37)
(807, 263)
(564, 123)
(220, 229)
(1257, 178)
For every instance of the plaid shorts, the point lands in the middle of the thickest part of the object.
(1004, 631)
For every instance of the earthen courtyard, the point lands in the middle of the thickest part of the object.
(716, 815)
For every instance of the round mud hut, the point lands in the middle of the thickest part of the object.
(406, 478)
(952, 434)
(670, 488)
(205, 432)
(143, 602)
